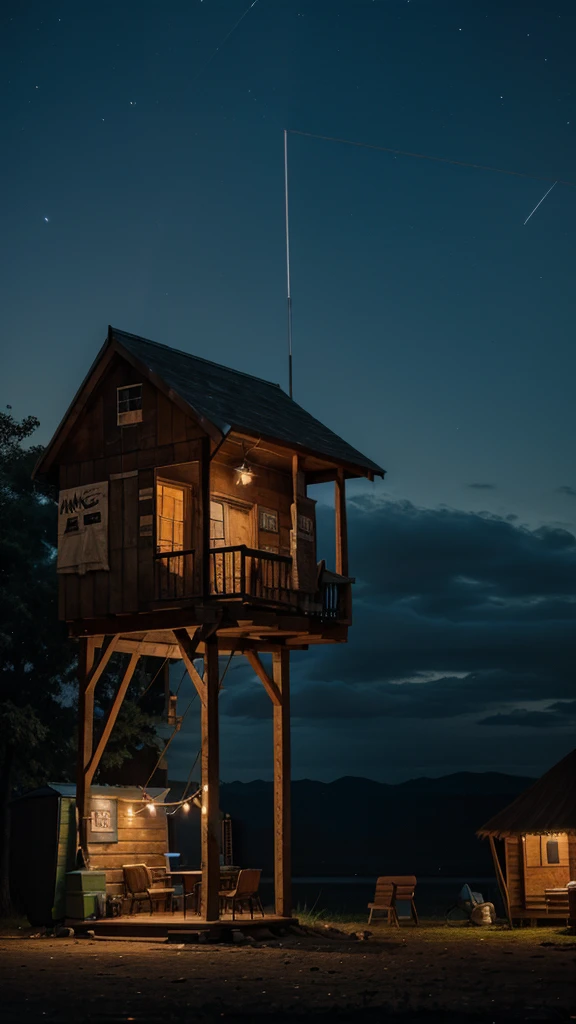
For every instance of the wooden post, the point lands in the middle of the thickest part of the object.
(205, 512)
(342, 544)
(341, 526)
(282, 839)
(85, 743)
(210, 829)
(501, 881)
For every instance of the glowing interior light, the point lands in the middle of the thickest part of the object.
(204, 809)
(205, 789)
(186, 807)
(245, 474)
(151, 808)
(130, 811)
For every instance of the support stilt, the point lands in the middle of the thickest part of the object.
(85, 743)
(501, 881)
(210, 785)
(282, 841)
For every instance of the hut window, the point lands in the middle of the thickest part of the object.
(129, 404)
(546, 850)
(552, 852)
(268, 520)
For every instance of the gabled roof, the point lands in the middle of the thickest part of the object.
(549, 805)
(229, 398)
(221, 399)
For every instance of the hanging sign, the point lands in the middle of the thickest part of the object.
(83, 528)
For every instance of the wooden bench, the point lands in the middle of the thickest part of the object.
(556, 901)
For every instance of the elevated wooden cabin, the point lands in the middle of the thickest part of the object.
(186, 529)
(538, 830)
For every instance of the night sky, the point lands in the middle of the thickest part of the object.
(433, 329)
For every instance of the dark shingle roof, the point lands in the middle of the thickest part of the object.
(229, 398)
(549, 805)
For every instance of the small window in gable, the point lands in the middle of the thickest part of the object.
(268, 520)
(305, 525)
(129, 405)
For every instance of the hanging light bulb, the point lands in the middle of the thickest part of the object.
(186, 807)
(130, 811)
(245, 474)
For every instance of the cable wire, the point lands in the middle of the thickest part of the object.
(435, 159)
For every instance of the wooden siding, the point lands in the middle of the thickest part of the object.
(65, 857)
(142, 839)
(537, 876)
(97, 450)
(572, 855)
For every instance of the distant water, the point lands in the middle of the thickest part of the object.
(350, 896)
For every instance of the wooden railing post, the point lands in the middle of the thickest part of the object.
(282, 838)
(210, 813)
(85, 745)
(342, 542)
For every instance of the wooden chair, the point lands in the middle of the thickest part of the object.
(405, 886)
(141, 887)
(245, 892)
(384, 900)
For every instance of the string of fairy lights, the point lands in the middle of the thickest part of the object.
(150, 803)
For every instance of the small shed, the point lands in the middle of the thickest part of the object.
(538, 830)
(43, 842)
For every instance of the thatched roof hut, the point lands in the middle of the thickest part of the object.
(538, 830)
(549, 805)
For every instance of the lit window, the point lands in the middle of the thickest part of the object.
(268, 520)
(129, 405)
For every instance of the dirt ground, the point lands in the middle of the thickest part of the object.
(428, 974)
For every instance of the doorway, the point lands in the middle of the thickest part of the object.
(231, 525)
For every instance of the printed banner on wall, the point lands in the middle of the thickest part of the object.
(83, 528)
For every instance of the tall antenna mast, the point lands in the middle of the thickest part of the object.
(288, 286)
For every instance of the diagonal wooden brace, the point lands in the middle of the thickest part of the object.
(111, 719)
(109, 646)
(188, 646)
(269, 684)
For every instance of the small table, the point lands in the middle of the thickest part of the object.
(192, 879)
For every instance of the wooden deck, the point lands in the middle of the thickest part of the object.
(180, 928)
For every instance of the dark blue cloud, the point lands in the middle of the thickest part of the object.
(455, 613)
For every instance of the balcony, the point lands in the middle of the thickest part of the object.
(248, 575)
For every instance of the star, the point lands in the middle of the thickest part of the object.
(46, 219)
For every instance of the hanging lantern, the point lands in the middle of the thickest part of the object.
(245, 474)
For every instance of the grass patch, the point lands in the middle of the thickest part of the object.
(435, 931)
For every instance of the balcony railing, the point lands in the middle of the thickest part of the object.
(334, 600)
(251, 574)
(174, 575)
